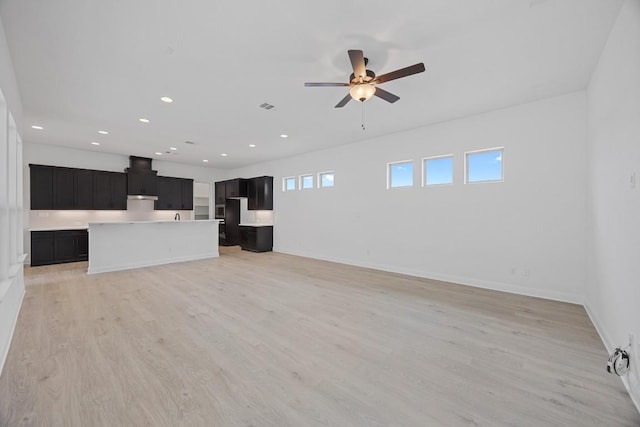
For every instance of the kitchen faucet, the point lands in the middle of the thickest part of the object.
(177, 216)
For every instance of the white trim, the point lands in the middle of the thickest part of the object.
(3, 358)
(459, 280)
(284, 183)
(301, 181)
(320, 175)
(609, 346)
(423, 176)
(398, 162)
(466, 165)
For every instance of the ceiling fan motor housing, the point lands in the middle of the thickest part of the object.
(370, 76)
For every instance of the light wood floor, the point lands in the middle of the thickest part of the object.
(275, 340)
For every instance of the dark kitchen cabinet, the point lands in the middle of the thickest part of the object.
(256, 239)
(72, 188)
(55, 247)
(118, 190)
(41, 178)
(174, 194)
(221, 192)
(109, 190)
(232, 222)
(260, 193)
(63, 188)
(142, 183)
(42, 252)
(83, 189)
(236, 188)
(169, 194)
(187, 194)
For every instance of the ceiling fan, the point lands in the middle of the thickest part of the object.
(363, 82)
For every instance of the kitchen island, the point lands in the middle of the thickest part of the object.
(117, 246)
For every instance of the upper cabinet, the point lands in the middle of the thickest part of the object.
(64, 189)
(41, 187)
(187, 194)
(142, 183)
(258, 190)
(60, 188)
(174, 194)
(109, 190)
(221, 192)
(67, 188)
(236, 188)
(260, 193)
(83, 189)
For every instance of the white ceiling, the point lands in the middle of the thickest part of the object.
(83, 66)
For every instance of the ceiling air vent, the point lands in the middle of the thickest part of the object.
(266, 106)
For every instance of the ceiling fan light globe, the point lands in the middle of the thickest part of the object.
(362, 92)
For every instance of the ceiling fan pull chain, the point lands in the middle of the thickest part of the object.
(363, 128)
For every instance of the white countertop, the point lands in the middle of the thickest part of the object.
(155, 222)
(255, 224)
(63, 227)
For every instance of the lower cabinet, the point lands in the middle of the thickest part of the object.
(256, 239)
(56, 247)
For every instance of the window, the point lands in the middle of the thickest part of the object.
(437, 170)
(400, 174)
(306, 181)
(289, 183)
(325, 179)
(484, 165)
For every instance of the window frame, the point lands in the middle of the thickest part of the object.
(320, 174)
(424, 169)
(390, 164)
(301, 181)
(284, 183)
(484, 150)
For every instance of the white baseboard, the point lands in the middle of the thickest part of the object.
(468, 281)
(13, 329)
(608, 343)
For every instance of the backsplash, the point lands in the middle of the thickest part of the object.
(254, 217)
(137, 210)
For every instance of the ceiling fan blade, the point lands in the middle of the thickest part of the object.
(357, 62)
(387, 96)
(325, 84)
(344, 101)
(402, 72)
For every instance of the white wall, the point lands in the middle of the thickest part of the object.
(136, 209)
(11, 243)
(613, 285)
(524, 235)
(8, 82)
(11, 214)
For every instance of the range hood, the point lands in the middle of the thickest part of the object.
(141, 180)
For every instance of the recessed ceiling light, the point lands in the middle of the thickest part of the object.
(103, 132)
(36, 127)
(95, 143)
(252, 145)
(284, 135)
(206, 161)
(158, 153)
(143, 120)
(172, 148)
(166, 99)
(224, 154)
